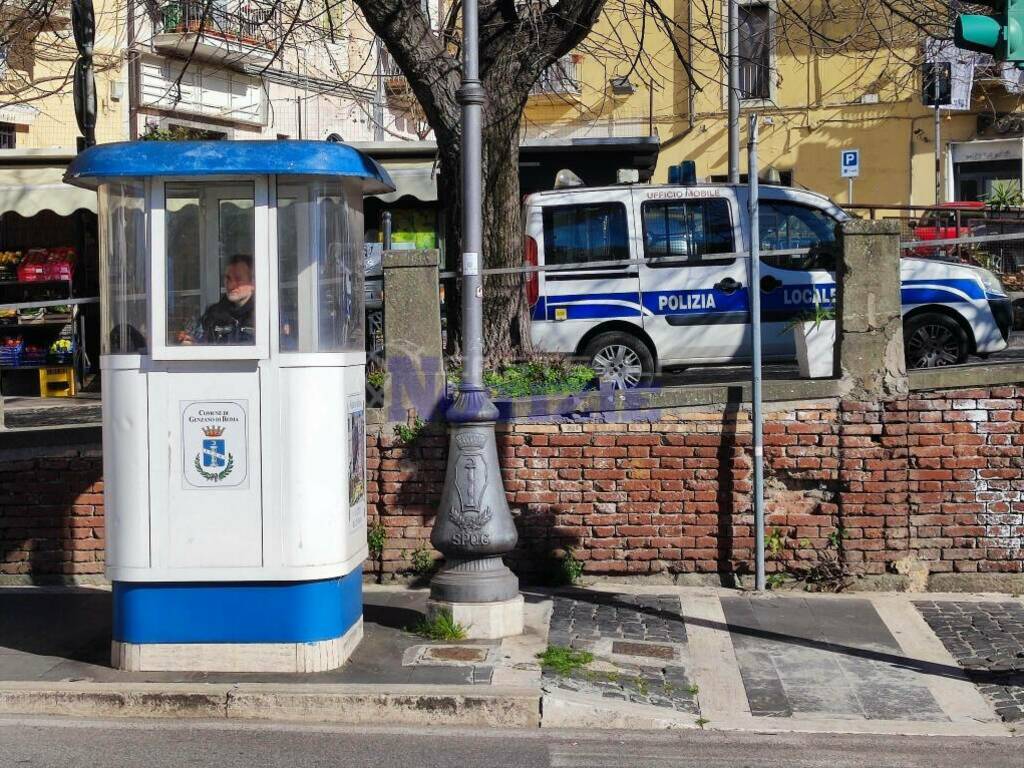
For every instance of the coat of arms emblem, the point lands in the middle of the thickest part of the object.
(213, 462)
(468, 512)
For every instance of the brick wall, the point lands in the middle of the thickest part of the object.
(938, 476)
(51, 513)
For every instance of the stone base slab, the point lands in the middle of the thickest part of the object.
(483, 621)
(237, 657)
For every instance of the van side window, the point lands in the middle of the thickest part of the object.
(588, 232)
(687, 229)
(785, 225)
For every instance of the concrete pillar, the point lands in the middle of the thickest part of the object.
(869, 326)
(412, 336)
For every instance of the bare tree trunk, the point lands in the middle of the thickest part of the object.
(517, 43)
(506, 315)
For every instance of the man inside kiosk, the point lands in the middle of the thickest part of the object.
(229, 320)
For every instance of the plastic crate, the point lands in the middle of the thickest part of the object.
(33, 267)
(33, 354)
(11, 349)
(57, 381)
(62, 351)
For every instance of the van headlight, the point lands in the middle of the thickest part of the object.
(990, 281)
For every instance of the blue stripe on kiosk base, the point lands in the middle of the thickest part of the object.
(304, 626)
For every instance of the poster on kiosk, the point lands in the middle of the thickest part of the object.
(234, 438)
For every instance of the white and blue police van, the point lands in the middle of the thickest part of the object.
(685, 299)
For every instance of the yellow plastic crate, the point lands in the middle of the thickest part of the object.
(57, 381)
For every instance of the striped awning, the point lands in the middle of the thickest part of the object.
(29, 189)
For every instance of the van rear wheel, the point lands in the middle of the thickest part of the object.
(932, 340)
(620, 359)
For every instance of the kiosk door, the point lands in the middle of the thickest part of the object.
(210, 279)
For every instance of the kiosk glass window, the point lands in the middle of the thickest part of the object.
(320, 297)
(122, 230)
(210, 232)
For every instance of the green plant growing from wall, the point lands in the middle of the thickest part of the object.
(571, 567)
(423, 562)
(407, 434)
(775, 543)
(376, 536)
(376, 378)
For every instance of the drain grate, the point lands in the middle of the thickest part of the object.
(649, 650)
(465, 653)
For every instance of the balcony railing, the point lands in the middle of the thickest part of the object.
(754, 83)
(246, 23)
(560, 80)
(395, 84)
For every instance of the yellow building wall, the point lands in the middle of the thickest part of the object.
(41, 65)
(816, 109)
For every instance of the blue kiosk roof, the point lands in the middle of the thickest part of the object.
(136, 159)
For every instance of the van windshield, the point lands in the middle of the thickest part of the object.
(785, 225)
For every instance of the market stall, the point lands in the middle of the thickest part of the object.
(48, 279)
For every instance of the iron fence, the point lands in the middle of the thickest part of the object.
(248, 22)
(965, 233)
(560, 79)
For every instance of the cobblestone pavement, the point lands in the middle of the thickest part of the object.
(639, 643)
(988, 641)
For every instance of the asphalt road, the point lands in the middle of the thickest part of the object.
(59, 743)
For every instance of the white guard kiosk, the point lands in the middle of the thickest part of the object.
(233, 400)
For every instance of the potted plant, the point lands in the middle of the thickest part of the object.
(815, 336)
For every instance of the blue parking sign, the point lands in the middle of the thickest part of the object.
(849, 163)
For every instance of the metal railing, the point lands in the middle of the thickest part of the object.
(395, 82)
(990, 238)
(248, 23)
(754, 80)
(560, 79)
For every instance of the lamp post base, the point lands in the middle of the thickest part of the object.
(483, 621)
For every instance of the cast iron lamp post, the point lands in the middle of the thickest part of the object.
(474, 527)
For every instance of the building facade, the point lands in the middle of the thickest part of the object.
(37, 55)
(821, 78)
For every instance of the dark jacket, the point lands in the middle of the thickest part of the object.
(226, 323)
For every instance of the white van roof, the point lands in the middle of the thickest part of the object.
(768, 190)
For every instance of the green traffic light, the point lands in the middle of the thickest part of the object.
(977, 33)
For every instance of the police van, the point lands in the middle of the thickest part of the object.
(685, 299)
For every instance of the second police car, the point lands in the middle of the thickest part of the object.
(686, 300)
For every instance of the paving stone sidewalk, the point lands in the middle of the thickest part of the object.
(987, 639)
(64, 636)
(639, 642)
(819, 658)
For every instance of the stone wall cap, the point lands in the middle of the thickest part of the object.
(870, 227)
(424, 257)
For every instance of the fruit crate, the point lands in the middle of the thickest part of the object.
(62, 352)
(33, 354)
(11, 349)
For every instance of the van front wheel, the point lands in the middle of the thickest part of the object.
(620, 359)
(932, 340)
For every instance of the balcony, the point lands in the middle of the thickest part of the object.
(240, 32)
(754, 83)
(396, 87)
(560, 81)
(30, 17)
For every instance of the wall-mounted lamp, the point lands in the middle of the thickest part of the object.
(621, 86)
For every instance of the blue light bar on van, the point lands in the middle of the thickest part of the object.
(685, 173)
